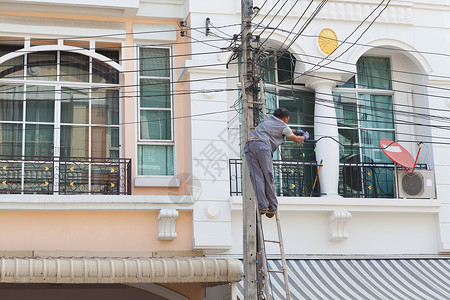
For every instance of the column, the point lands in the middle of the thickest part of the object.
(326, 132)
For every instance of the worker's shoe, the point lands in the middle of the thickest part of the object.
(271, 213)
(263, 211)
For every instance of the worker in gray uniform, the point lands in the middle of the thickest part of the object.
(259, 149)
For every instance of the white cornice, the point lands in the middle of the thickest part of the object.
(96, 202)
(320, 204)
(397, 12)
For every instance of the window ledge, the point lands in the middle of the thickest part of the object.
(157, 181)
(351, 204)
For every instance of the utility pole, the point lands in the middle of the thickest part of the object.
(249, 121)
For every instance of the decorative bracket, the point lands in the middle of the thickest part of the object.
(166, 224)
(338, 222)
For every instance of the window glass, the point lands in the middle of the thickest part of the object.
(349, 84)
(112, 52)
(11, 139)
(376, 111)
(74, 105)
(40, 103)
(39, 139)
(155, 113)
(154, 62)
(155, 93)
(156, 125)
(349, 145)
(346, 110)
(374, 73)
(105, 106)
(363, 119)
(74, 67)
(267, 63)
(285, 67)
(104, 73)
(155, 160)
(104, 142)
(74, 141)
(371, 150)
(12, 68)
(300, 105)
(42, 66)
(11, 103)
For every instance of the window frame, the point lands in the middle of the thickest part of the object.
(357, 91)
(155, 142)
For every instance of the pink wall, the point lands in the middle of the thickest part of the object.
(90, 231)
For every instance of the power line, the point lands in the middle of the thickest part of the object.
(354, 64)
(324, 102)
(298, 20)
(87, 37)
(282, 19)
(305, 25)
(439, 118)
(360, 36)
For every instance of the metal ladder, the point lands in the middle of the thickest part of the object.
(264, 270)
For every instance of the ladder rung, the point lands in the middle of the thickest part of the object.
(271, 241)
(275, 271)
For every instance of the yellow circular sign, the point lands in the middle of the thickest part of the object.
(327, 41)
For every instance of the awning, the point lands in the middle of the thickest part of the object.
(361, 279)
(119, 270)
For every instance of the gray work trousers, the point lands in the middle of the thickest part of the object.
(259, 161)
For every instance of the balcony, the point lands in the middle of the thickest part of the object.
(292, 178)
(65, 175)
(296, 179)
(368, 180)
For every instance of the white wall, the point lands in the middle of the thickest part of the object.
(380, 226)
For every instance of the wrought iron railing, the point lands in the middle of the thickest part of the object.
(292, 178)
(65, 175)
(368, 180)
(296, 179)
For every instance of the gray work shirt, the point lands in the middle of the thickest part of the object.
(272, 132)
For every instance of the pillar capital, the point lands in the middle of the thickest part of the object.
(327, 82)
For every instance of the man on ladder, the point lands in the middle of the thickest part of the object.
(259, 149)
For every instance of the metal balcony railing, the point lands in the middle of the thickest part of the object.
(292, 178)
(368, 180)
(65, 175)
(296, 179)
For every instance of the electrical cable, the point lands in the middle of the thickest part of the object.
(281, 21)
(88, 37)
(331, 103)
(265, 16)
(293, 28)
(375, 68)
(360, 36)
(305, 25)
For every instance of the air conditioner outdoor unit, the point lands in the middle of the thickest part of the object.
(419, 185)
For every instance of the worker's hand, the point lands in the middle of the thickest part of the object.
(305, 134)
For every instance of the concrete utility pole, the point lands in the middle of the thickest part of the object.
(249, 121)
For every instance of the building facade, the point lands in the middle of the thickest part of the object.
(121, 147)
(353, 74)
(95, 154)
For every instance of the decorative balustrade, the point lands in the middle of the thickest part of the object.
(65, 175)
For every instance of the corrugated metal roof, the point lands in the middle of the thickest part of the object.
(361, 279)
(119, 270)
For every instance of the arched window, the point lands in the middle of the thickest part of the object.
(277, 68)
(59, 120)
(58, 103)
(364, 109)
